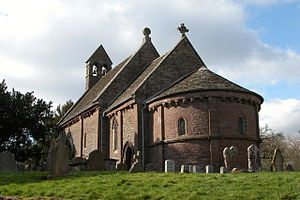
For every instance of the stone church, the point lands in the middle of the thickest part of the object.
(168, 106)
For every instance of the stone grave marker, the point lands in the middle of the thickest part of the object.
(184, 169)
(95, 161)
(196, 169)
(7, 162)
(230, 157)
(277, 161)
(137, 164)
(223, 170)
(209, 169)
(190, 168)
(253, 158)
(169, 166)
(59, 160)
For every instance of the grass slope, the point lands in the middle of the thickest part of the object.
(123, 185)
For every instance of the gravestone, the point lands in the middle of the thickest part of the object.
(110, 164)
(121, 167)
(184, 169)
(196, 169)
(230, 157)
(95, 161)
(59, 157)
(78, 164)
(7, 162)
(277, 161)
(190, 168)
(253, 158)
(169, 166)
(150, 167)
(209, 169)
(290, 168)
(223, 170)
(20, 166)
(137, 164)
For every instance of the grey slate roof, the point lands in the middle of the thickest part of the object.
(88, 98)
(202, 79)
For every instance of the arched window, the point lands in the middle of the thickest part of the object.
(242, 125)
(115, 134)
(84, 140)
(181, 126)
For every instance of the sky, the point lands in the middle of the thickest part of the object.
(254, 43)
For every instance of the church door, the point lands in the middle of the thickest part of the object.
(128, 160)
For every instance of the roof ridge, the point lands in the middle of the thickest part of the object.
(125, 64)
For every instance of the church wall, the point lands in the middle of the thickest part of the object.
(127, 119)
(75, 131)
(90, 128)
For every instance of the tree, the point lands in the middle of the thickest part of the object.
(289, 147)
(26, 124)
(61, 110)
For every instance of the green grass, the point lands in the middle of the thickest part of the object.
(123, 185)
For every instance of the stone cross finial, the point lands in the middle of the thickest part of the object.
(182, 29)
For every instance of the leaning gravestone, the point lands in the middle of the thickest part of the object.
(230, 157)
(277, 161)
(169, 166)
(59, 160)
(137, 165)
(7, 162)
(253, 158)
(95, 161)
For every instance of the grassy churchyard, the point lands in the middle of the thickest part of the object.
(124, 185)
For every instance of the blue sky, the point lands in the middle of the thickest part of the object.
(254, 43)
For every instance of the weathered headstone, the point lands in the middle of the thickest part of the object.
(196, 169)
(277, 160)
(150, 167)
(137, 164)
(7, 162)
(121, 167)
(290, 168)
(59, 157)
(95, 161)
(253, 158)
(223, 170)
(190, 168)
(230, 157)
(209, 169)
(110, 164)
(184, 169)
(169, 166)
(78, 164)
(20, 166)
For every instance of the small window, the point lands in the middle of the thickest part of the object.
(115, 134)
(242, 125)
(84, 140)
(181, 127)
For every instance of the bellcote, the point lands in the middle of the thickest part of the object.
(97, 66)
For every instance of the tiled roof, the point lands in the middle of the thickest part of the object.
(87, 99)
(202, 79)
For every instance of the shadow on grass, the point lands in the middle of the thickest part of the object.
(7, 178)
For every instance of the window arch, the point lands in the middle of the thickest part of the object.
(242, 125)
(181, 126)
(115, 134)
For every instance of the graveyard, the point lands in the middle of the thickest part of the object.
(151, 185)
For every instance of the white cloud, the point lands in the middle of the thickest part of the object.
(282, 115)
(51, 40)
